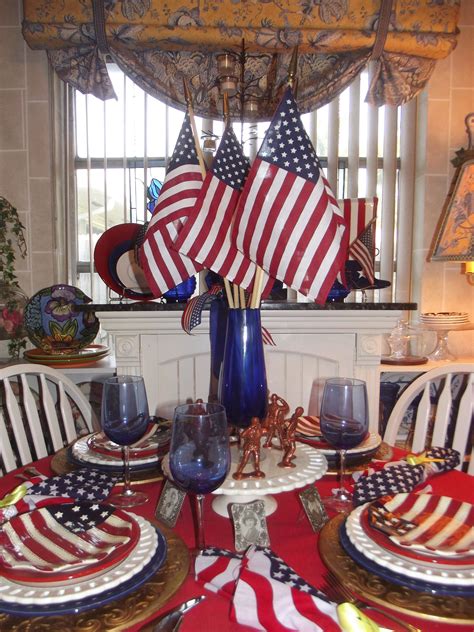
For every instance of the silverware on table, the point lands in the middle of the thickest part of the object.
(338, 592)
(171, 620)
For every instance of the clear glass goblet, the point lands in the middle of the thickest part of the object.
(344, 421)
(199, 456)
(124, 418)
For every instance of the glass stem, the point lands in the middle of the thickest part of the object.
(342, 469)
(127, 490)
(200, 544)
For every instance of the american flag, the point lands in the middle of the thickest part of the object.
(218, 570)
(358, 213)
(362, 249)
(396, 478)
(164, 267)
(287, 221)
(426, 522)
(84, 484)
(206, 236)
(269, 595)
(61, 537)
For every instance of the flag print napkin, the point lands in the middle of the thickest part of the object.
(267, 593)
(83, 485)
(403, 476)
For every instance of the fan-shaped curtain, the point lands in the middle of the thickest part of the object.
(159, 43)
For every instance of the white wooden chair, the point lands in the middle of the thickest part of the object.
(40, 412)
(444, 414)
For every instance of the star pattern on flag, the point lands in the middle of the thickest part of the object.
(81, 485)
(280, 571)
(230, 165)
(288, 145)
(78, 517)
(185, 150)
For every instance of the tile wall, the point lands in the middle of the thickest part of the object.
(26, 158)
(450, 96)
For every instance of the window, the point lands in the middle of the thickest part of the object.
(119, 146)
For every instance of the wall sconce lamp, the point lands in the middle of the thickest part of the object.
(454, 236)
(469, 272)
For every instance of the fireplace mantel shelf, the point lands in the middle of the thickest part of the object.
(153, 306)
(312, 343)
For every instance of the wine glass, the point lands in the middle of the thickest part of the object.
(344, 422)
(199, 456)
(125, 418)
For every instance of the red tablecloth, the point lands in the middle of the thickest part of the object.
(291, 538)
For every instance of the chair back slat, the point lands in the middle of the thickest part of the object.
(16, 422)
(50, 414)
(32, 417)
(464, 428)
(443, 413)
(66, 414)
(6, 449)
(422, 421)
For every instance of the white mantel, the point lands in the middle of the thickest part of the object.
(311, 345)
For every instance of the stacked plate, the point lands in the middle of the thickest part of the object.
(98, 451)
(81, 357)
(444, 319)
(420, 541)
(67, 558)
(308, 431)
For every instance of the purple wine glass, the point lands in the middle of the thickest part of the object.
(344, 422)
(199, 457)
(124, 418)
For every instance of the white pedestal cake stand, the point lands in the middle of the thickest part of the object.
(310, 465)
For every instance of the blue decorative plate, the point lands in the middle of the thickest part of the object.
(95, 601)
(397, 578)
(55, 325)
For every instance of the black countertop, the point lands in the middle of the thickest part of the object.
(152, 306)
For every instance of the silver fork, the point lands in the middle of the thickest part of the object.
(335, 590)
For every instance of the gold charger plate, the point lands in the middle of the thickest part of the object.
(371, 588)
(123, 613)
(60, 464)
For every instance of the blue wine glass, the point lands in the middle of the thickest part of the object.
(344, 422)
(199, 457)
(124, 417)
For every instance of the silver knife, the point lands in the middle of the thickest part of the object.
(170, 621)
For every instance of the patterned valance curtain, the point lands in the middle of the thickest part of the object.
(158, 43)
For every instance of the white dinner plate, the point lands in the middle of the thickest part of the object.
(145, 549)
(404, 566)
(81, 451)
(369, 445)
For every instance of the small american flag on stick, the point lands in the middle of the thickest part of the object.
(206, 236)
(362, 249)
(165, 268)
(287, 221)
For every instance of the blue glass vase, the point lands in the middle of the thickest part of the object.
(243, 378)
(181, 292)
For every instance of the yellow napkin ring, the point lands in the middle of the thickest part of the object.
(419, 459)
(14, 496)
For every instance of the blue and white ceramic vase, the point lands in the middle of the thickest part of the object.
(243, 378)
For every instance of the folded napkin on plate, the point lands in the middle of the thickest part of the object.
(397, 477)
(267, 594)
(84, 484)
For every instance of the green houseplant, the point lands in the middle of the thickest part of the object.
(12, 244)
